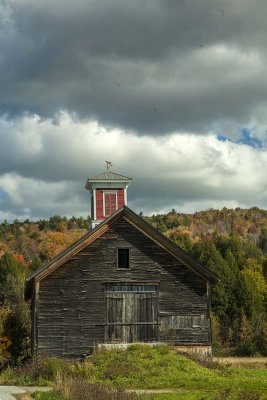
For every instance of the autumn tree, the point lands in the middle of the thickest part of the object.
(16, 322)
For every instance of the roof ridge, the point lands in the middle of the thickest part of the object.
(109, 175)
(140, 224)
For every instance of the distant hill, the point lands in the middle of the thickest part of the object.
(249, 224)
(232, 243)
(34, 243)
(45, 238)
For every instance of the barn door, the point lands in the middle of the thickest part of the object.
(131, 314)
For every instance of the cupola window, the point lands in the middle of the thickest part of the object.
(110, 203)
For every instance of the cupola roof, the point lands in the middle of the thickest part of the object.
(107, 176)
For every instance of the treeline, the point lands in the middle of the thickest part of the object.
(34, 243)
(232, 243)
(25, 247)
(55, 223)
(246, 223)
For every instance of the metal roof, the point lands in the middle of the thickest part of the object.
(109, 176)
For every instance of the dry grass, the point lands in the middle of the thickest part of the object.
(245, 362)
(75, 388)
(22, 396)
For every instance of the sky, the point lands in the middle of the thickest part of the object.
(173, 93)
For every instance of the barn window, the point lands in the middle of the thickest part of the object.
(123, 258)
(110, 203)
(136, 288)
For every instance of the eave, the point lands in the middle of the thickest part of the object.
(89, 182)
(100, 229)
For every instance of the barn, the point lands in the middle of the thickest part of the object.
(123, 282)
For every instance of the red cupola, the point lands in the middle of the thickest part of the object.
(108, 193)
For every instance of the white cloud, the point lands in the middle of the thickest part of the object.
(44, 166)
(147, 85)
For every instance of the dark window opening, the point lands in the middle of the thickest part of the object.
(123, 258)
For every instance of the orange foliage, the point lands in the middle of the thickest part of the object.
(20, 258)
(55, 242)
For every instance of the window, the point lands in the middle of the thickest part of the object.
(123, 259)
(131, 288)
(110, 203)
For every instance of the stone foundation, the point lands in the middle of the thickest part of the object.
(204, 352)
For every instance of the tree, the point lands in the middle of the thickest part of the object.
(16, 324)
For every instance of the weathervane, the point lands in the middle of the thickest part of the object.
(109, 164)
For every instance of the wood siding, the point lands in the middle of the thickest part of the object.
(99, 201)
(131, 317)
(74, 301)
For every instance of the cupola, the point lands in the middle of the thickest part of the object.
(108, 192)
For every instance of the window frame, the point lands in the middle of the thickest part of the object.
(104, 203)
(129, 258)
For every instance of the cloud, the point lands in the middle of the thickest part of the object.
(44, 166)
(154, 67)
(246, 138)
(173, 92)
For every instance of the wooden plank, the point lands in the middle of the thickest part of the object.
(35, 313)
(74, 302)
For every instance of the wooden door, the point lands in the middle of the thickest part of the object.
(131, 317)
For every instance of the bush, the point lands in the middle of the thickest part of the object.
(219, 367)
(229, 394)
(79, 388)
(245, 349)
(33, 369)
(42, 371)
(225, 394)
(46, 396)
(248, 395)
(37, 371)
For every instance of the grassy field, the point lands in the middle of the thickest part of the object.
(157, 368)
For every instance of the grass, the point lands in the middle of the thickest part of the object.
(248, 378)
(179, 396)
(46, 396)
(144, 367)
(162, 396)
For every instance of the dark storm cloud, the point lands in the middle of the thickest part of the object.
(185, 72)
(153, 66)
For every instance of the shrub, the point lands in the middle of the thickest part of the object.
(229, 394)
(46, 396)
(55, 366)
(225, 394)
(32, 369)
(248, 395)
(221, 368)
(245, 349)
(79, 388)
(42, 371)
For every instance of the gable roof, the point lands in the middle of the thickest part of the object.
(106, 177)
(140, 224)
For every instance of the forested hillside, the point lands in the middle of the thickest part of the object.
(232, 243)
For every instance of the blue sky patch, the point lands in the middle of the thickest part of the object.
(245, 138)
(2, 194)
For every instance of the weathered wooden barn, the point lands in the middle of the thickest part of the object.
(123, 282)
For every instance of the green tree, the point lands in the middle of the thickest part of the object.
(16, 323)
